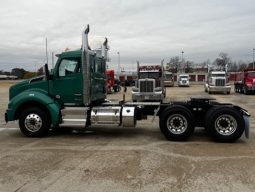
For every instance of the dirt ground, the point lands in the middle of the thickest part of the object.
(126, 159)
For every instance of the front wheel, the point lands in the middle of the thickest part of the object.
(224, 124)
(34, 122)
(245, 90)
(176, 123)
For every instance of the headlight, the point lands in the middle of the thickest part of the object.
(135, 89)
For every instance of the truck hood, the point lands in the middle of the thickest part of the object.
(33, 83)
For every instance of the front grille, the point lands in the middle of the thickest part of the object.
(220, 82)
(184, 81)
(146, 86)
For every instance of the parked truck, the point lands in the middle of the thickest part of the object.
(169, 80)
(217, 81)
(245, 82)
(183, 80)
(74, 94)
(112, 83)
(150, 83)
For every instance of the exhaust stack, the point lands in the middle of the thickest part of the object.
(162, 75)
(86, 67)
(105, 49)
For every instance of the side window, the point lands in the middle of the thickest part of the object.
(68, 66)
(100, 66)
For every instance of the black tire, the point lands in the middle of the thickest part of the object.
(224, 124)
(34, 122)
(181, 116)
(245, 91)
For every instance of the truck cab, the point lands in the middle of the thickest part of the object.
(245, 82)
(183, 80)
(149, 84)
(217, 81)
(67, 85)
(169, 81)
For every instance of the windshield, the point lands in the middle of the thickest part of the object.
(251, 74)
(169, 76)
(153, 75)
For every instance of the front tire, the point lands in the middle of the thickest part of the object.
(34, 122)
(245, 91)
(176, 123)
(224, 124)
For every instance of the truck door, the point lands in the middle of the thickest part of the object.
(67, 83)
(97, 79)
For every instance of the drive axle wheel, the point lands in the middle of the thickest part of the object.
(224, 124)
(34, 122)
(176, 123)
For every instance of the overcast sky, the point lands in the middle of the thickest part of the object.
(147, 31)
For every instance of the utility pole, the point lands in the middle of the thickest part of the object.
(253, 58)
(118, 62)
(52, 60)
(182, 62)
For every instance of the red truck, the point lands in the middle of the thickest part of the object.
(245, 81)
(112, 83)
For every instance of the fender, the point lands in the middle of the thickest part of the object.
(34, 96)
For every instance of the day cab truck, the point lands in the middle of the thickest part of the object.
(169, 79)
(150, 83)
(183, 80)
(74, 95)
(217, 82)
(245, 82)
(112, 83)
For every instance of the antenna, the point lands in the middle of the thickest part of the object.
(46, 51)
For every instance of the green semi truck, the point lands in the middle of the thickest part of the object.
(74, 94)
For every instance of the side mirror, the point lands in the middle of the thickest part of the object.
(46, 71)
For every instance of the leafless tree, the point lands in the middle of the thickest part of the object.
(174, 64)
(222, 61)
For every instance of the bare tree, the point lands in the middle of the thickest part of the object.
(222, 61)
(174, 64)
(233, 67)
(242, 65)
(189, 66)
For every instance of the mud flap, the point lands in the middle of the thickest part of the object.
(247, 126)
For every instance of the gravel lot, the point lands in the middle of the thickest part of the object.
(130, 159)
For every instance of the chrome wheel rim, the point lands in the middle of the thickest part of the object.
(177, 124)
(226, 125)
(33, 122)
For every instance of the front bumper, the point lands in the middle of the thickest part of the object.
(183, 84)
(251, 88)
(169, 83)
(9, 115)
(219, 89)
(147, 96)
(6, 117)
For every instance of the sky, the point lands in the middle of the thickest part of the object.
(144, 30)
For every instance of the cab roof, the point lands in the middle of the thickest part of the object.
(70, 53)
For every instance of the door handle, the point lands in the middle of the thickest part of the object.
(77, 94)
